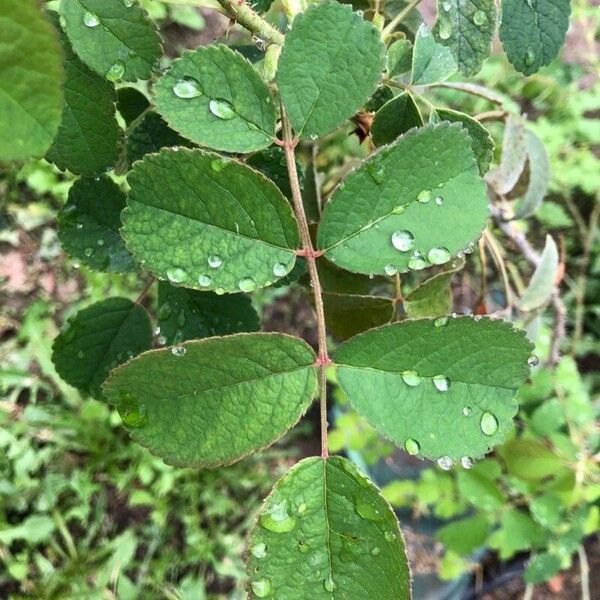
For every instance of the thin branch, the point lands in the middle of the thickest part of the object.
(490, 115)
(473, 89)
(391, 26)
(145, 291)
(585, 573)
(252, 21)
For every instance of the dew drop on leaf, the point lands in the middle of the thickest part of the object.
(187, 88)
(439, 200)
(261, 588)
(446, 6)
(417, 262)
(440, 321)
(247, 284)
(128, 3)
(79, 226)
(488, 423)
(259, 550)
(329, 584)
(278, 519)
(412, 447)
(303, 546)
(100, 242)
(467, 411)
(398, 210)
(480, 19)
(80, 354)
(377, 171)
(116, 72)
(367, 511)
(88, 252)
(375, 551)
(445, 29)
(221, 109)
(390, 270)
(162, 340)
(204, 280)
(441, 382)
(178, 351)
(470, 248)
(438, 256)
(389, 536)
(134, 418)
(467, 462)
(90, 19)
(529, 57)
(445, 463)
(533, 361)
(215, 261)
(411, 378)
(403, 240)
(279, 270)
(176, 275)
(424, 196)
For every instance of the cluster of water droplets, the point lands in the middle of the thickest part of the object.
(116, 71)
(188, 87)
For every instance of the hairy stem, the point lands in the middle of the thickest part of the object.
(391, 26)
(289, 145)
(252, 21)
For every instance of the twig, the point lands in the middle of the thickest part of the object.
(528, 592)
(490, 115)
(584, 568)
(473, 89)
(391, 26)
(145, 291)
(252, 21)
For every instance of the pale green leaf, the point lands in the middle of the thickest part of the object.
(465, 535)
(416, 202)
(31, 77)
(542, 281)
(514, 155)
(206, 222)
(116, 39)
(518, 532)
(530, 459)
(211, 402)
(326, 532)
(33, 530)
(533, 32)
(467, 28)
(395, 118)
(539, 177)
(214, 97)
(431, 62)
(97, 339)
(542, 567)
(331, 62)
(480, 491)
(442, 388)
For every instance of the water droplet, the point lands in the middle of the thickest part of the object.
(204, 280)
(221, 109)
(367, 511)
(438, 256)
(417, 262)
(162, 340)
(187, 88)
(259, 550)
(533, 361)
(480, 19)
(446, 6)
(100, 242)
(79, 226)
(134, 417)
(424, 196)
(88, 252)
(439, 200)
(375, 551)
(470, 248)
(261, 588)
(467, 411)
(279, 270)
(440, 321)
(329, 584)
(467, 462)
(529, 57)
(411, 378)
(80, 354)
(390, 270)
(389, 536)
(215, 261)
(116, 71)
(128, 3)
(445, 29)
(156, 330)
(176, 275)
(278, 519)
(219, 291)
(303, 546)
(398, 210)
(441, 382)
(403, 240)
(488, 423)
(301, 508)
(178, 351)
(90, 19)
(412, 447)
(247, 284)
(445, 463)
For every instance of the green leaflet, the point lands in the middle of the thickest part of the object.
(219, 399)
(399, 57)
(330, 64)
(88, 137)
(542, 282)
(131, 103)
(533, 32)
(415, 203)
(97, 339)
(206, 222)
(531, 460)
(542, 567)
(188, 314)
(467, 28)
(271, 163)
(214, 97)
(465, 535)
(440, 388)
(89, 223)
(395, 118)
(114, 38)
(539, 177)
(31, 78)
(431, 62)
(326, 532)
(514, 155)
(481, 140)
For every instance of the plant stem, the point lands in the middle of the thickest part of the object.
(252, 21)
(391, 26)
(289, 145)
(212, 4)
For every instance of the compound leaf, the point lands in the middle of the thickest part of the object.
(116, 39)
(88, 137)
(539, 177)
(206, 222)
(214, 97)
(467, 28)
(89, 223)
(542, 282)
(31, 77)
(438, 388)
(97, 339)
(416, 202)
(395, 118)
(331, 62)
(188, 314)
(333, 525)
(533, 32)
(431, 62)
(211, 402)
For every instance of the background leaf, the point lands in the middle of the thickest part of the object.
(211, 402)
(542, 281)
(431, 62)
(97, 339)
(89, 223)
(539, 177)
(333, 525)
(399, 57)
(114, 38)
(131, 103)
(271, 163)
(31, 78)
(402, 209)
(395, 118)
(330, 64)
(438, 388)
(206, 222)
(214, 97)
(514, 155)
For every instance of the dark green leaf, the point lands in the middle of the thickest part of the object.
(399, 58)
(542, 282)
(326, 532)
(97, 339)
(395, 118)
(271, 163)
(206, 222)
(131, 103)
(211, 402)
(330, 64)
(539, 177)
(431, 62)
(382, 95)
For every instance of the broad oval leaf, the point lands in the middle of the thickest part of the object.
(211, 402)
(467, 28)
(97, 339)
(395, 118)
(431, 62)
(325, 531)
(438, 388)
(416, 202)
(188, 314)
(539, 177)
(533, 32)
(214, 97)
(89, 223)
(31, 78)
(331, 62)
(116, 39)
(206, 222)
(88, 137)
(542, 282)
